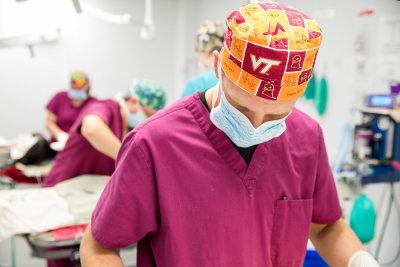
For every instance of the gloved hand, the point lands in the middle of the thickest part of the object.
(61, 141)
(62, 137)
(362, 259)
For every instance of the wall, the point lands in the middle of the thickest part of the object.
(111, 54)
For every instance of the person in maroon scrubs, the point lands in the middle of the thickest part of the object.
(233, 176)
(95, 137)
(64, 107)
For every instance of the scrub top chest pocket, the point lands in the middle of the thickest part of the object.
(290, 231)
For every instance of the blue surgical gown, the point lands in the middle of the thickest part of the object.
(201, 82)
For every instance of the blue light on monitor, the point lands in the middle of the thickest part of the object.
(380, 101)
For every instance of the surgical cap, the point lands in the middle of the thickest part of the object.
(79, 80)
(148, 93)
(270, 50)
(210, 36)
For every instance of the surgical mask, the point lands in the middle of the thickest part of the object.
(134, 119)
(238, 127)
(76, 94)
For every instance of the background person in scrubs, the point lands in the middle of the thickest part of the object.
(146, 97)
(64, 108)
(95, 137)
(209, 38)
(234, 176)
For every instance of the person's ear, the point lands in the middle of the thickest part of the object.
(216, 65)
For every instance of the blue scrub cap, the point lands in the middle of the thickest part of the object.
(148, 93)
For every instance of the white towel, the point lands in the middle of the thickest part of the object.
(41, 209)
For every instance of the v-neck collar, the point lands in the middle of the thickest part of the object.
(247, 173)
(247, 153)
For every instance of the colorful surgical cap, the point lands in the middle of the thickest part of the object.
(210, 36)
(270, 50)
(148, 93)
(79, 80)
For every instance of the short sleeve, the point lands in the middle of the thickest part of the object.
(54, 103)
(101, 110)
(98, 109)
(128, 207)
(326, 207)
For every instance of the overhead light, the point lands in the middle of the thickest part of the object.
(77, 6)
(29, 40)
(147, 27)
(147, 31)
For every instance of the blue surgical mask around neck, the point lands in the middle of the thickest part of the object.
(77, 94)
(238, 127)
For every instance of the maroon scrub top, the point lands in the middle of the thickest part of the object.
(79, 156)
(61, 106)
(184, 193)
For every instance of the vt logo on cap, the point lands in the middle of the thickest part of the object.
(268, 63)
(270, 50)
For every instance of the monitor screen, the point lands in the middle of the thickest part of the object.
(380, 101)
